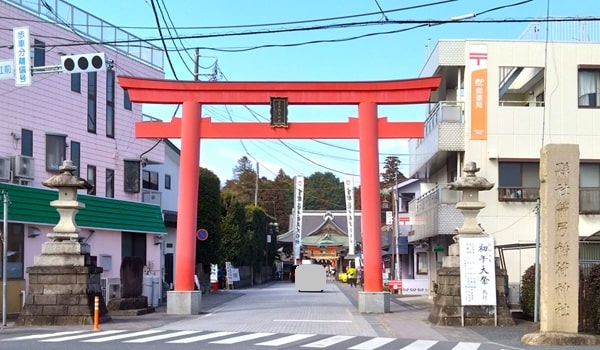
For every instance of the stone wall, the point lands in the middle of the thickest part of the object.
(446, 309)
(62, 295)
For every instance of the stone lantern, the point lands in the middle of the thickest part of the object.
(447, 307)
(64, 279)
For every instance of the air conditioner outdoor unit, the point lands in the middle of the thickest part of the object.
(23, 166)
(4, 168)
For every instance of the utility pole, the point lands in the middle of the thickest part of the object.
(4, 254)
(396, 229)
(256, 186)
(196, 63)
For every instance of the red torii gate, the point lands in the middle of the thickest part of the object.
(191, 128)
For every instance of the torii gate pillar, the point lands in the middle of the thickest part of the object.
(191, 128)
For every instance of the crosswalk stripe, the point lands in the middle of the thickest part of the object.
(323, 343)
(241, 338)
(372, 343)
(81, 336)
(200, 337)
(42, 336)
(420, 345)
(161, 337)
(466, 346)
(286, 340)
(123, 336)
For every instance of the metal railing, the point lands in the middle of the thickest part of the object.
(518, 194)
(93, 28)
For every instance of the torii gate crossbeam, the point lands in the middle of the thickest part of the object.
(191, 128)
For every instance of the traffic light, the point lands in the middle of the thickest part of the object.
(89, 62)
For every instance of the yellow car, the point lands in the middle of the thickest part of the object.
(343, 277)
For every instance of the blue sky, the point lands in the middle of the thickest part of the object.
(379, 57)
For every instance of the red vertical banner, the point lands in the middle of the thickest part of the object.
(478, 65)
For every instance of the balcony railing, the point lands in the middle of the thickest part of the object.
(518, 194)
(589, 197)
(434, 213)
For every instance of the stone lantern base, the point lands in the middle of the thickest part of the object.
(446, 310)
(63, 293)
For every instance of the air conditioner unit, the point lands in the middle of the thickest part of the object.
(4, 168)
(23, 166)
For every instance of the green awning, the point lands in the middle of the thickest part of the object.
(32, 205)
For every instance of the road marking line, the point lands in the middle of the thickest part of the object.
(82, 336)
(315, 321)
(286, 340)
(420, 345)
(42, 336)
(161, 337)
(241, 338)
(372, 343)
(323, 343)
(200, 337)
(122, 336)
(466, 346)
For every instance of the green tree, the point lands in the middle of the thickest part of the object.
(255, 239)
(392, 173)
(244, 181)
(276, 197)
(233, 229)
(324, 191)
(209, 217)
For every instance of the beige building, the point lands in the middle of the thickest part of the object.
(499, 102)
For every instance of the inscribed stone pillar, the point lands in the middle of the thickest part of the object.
(559, 263)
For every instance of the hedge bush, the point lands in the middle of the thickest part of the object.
(589, 298)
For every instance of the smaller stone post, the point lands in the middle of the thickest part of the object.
(64, 279)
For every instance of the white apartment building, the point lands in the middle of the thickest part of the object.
(499, 102)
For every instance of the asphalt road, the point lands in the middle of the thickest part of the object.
(274, 316)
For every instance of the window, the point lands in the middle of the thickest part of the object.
(110, 103)
(15, 249)
(521, 86)
(422, 263)
(132, 176)
(519, 182)
(76, 82)
(126, 100)
(39, 53)
(110, 183)
(133, 244)
(167, 181)
(76, 156)
(27, 142)
(405, 198)
(588, 83)
(91, 179)
(150, 180)
(91, 114)
(589, 188)
(55, 151)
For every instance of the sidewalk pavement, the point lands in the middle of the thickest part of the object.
(408, 318)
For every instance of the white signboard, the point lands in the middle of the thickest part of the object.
(7, 70)
(477, 271)
(22, 56)
(214, 273)
(349, 194)
(298, 204)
